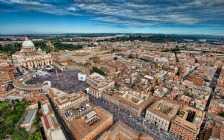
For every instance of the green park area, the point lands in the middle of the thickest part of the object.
(3, 104)
(97, 70)
(10, 116)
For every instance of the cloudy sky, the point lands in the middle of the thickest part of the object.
(112, 16)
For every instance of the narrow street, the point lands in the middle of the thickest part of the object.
(43, 133)
(213, 86)
(177, 60)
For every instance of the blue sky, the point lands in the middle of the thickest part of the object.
(112, 16)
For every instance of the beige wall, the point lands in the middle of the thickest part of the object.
(160, 122)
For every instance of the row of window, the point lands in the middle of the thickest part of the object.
(177, 129)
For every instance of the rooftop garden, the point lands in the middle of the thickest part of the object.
(165, 109)
(181, 113)
(189, 94)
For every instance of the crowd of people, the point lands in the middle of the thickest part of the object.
(137, 123)
(66, 81)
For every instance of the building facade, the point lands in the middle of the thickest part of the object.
(128, 100)
(161, 113)
(28, 119)
(4, 78)
(98, 84)
(63, 100)
(187, 123)
(29, 57)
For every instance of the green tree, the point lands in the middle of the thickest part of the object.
(35, 136)
(19, 134)
(39, 105)
(59, 46)
(9, 117)
(222, 114)
(97, 70)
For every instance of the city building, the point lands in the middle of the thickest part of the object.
(217, 132)
(129, 100)
(81, 76)
(58, 65)
(4, 78)
(2, 89)
(50, 124)
(161, 113)
(63, 100)
(187, 123)
(216, 106)
(98, 84)
(79, 57)
(11, 95)
(28, 119)
(89, 125)
(82, 57)
(213, 129)
(29, 57)
(10, 70)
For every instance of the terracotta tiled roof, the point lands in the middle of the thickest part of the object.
(46, 122)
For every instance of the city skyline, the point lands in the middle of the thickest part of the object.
(103, 16)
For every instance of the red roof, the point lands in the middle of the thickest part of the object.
(46, 122)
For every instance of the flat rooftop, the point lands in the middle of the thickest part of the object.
(97, 77)
(80, 127)
(57, 134)
(165, 109)
(28, 117)
(75, 112)
(81, 54)
(63, 96)
(131, 98)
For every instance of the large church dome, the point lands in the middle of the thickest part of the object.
(27, 46)
(27, 43)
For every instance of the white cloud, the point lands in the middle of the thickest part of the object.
(71, 8)
(131, 12)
